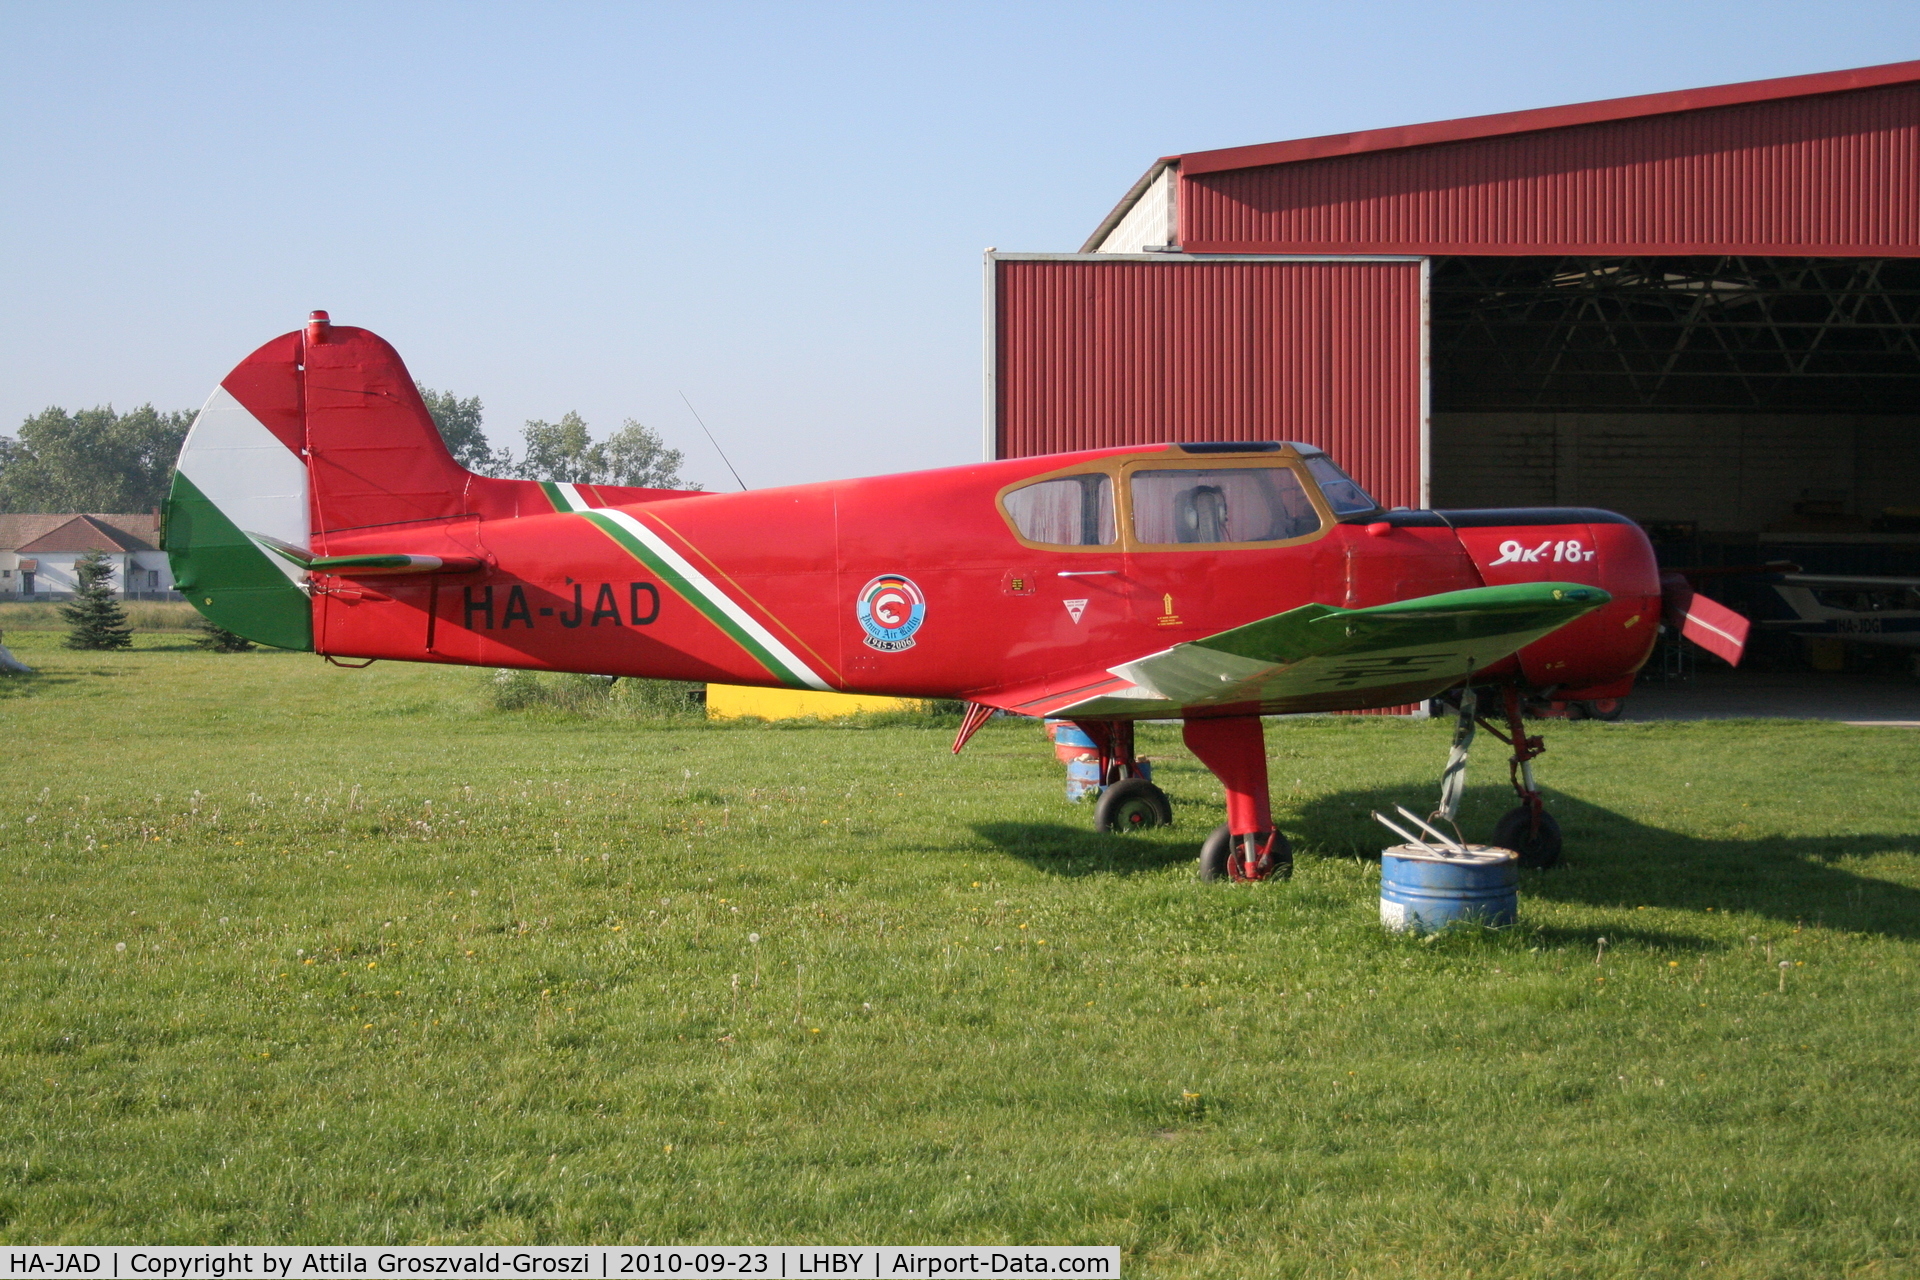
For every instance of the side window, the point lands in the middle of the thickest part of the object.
(1072, 511)
(1226, 504)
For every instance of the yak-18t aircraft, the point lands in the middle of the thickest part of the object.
(316, 507)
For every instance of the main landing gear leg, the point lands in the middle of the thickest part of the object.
(1247, 847)
(1128, 801)
(1528, 829)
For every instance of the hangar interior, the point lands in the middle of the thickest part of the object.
(1743, 408)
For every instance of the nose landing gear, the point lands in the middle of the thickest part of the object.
(1527, 828)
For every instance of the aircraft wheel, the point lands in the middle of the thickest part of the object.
(1213, 853)
(1605, 708)
(1218, 846)
(1541, 849)
(1132, 804)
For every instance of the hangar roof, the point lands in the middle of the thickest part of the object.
(1194, 163)
(1802, 165)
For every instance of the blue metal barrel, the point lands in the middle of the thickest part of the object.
(1070, 741)
(1083, 779)
(1081, 755)
(1423, 892)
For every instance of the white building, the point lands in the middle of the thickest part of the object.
(37, 553)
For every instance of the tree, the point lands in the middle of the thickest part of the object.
(95, 619)
(560, 451)
(93, 460)
(636, 456)
(459, 423)
(565, 451)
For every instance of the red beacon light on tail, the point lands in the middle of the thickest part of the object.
(316, 507)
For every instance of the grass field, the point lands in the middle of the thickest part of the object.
(300, 954)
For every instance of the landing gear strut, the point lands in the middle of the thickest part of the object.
(1247, 847)
(1527, 828)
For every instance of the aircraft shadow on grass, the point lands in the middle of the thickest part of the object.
(1611, 861)
(1061, 850)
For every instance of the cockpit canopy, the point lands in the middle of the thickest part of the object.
(1201, 495)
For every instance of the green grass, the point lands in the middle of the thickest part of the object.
(400, 966)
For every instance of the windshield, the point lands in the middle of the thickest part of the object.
(1223, 504)
(1338, 488)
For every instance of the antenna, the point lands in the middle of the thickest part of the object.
(715, 443)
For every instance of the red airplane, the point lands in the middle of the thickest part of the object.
(315, 507)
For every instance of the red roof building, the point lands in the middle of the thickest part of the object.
(37, 551)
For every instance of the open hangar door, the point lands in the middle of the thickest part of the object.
(1746, 410)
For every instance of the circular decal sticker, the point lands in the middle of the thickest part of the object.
(890, 609)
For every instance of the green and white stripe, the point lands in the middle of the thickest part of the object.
(564, 497)
(692, 585)
(236, 491)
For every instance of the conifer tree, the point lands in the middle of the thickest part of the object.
(218, 638)
(95, 619)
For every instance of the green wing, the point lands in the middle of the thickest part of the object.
(1319, 658)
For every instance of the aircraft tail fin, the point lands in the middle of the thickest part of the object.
(318, 431)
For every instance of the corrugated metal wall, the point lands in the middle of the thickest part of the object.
(1838, 174)
(1090, 352)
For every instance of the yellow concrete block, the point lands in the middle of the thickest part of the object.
(728, 701)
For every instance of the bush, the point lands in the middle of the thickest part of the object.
(219, 639)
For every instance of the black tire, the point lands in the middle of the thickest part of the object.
(1213, 853)
(1539, 849)
(1608, 709)
(1132, 804)
(1218, 846)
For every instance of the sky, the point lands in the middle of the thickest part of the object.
(777, 211)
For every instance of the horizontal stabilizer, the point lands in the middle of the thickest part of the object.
(367, 564)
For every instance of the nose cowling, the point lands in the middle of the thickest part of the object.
(1599, 654)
